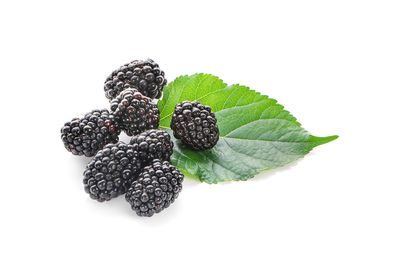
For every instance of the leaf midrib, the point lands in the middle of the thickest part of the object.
(257, 140)
(237, 107)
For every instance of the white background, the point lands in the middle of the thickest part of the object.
(334, 64)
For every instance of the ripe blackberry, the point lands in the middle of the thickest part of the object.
(134, 112)
(87, 135)
(111, 171)
(156, 188)
(145, 76)
(152, 144)
(195, 124)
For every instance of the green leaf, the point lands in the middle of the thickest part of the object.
(256, 133)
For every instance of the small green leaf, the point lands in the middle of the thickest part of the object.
(256, 133)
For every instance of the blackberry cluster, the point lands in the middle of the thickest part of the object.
(141, 169)
(195, 124)
(111, 172)
(156, 188)
(145, 76)
(134, 112)
(153, 144)
(87, 135)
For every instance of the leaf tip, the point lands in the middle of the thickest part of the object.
(331, 138)
(323, 140)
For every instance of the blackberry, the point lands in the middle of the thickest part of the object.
(87, 135)
(156, 188)
(111, 171)
(134, 112)
(153, 144)
(145, 76)
(195, 124)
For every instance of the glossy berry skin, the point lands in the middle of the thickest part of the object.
(153, 144)
(111, 171)
(87, 135)
(157, 188)
(195, 125)
(134, 112)
(145, 76)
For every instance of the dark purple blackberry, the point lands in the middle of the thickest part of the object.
(134, 112)
(156, 188)
(195, 124)
(111, 171)
(87, 135)
(145, 76)
(152, 144)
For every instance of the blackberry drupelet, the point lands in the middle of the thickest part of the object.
(195, 124)
(111, 171)
(152, 144)
(156, 188)
(145, 76)
(134, 112)
(87, 135)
